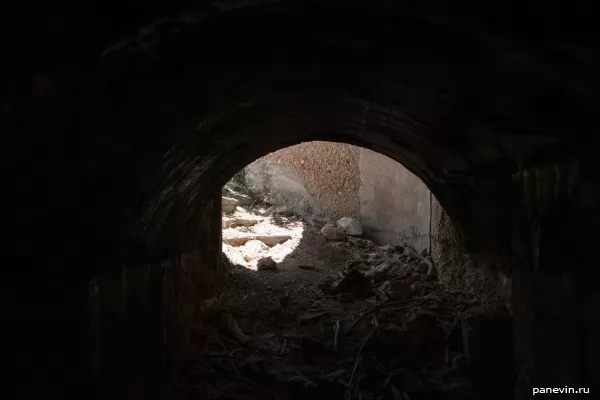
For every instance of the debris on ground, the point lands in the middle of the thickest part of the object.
(235, 222)
(354, 283)
(268, 240)
(331, 232)
(266, 264)
(228, 204)
(350, 226)
(341, 319)
(361, 243)
(241, 199)
(278, 210)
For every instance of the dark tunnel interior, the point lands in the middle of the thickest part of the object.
(121, 138)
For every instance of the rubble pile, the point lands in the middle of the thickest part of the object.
(374, 326)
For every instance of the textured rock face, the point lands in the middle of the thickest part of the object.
(126, 157)
(316, 178)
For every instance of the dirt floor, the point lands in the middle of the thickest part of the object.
(326, 319)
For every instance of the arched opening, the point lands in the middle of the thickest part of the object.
(128, 157)
(324, 183)
(331, 289)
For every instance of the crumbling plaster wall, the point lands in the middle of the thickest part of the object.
(337, 179)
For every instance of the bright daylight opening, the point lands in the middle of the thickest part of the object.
(333, 253)
(257, 234)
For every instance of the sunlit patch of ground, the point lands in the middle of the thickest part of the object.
(248, 254)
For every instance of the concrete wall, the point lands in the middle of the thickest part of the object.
(337, 180)
(394, 203)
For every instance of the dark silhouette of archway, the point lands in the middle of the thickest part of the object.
(126, 156)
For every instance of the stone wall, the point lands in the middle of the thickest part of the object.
(320, 178)
(336, 180)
